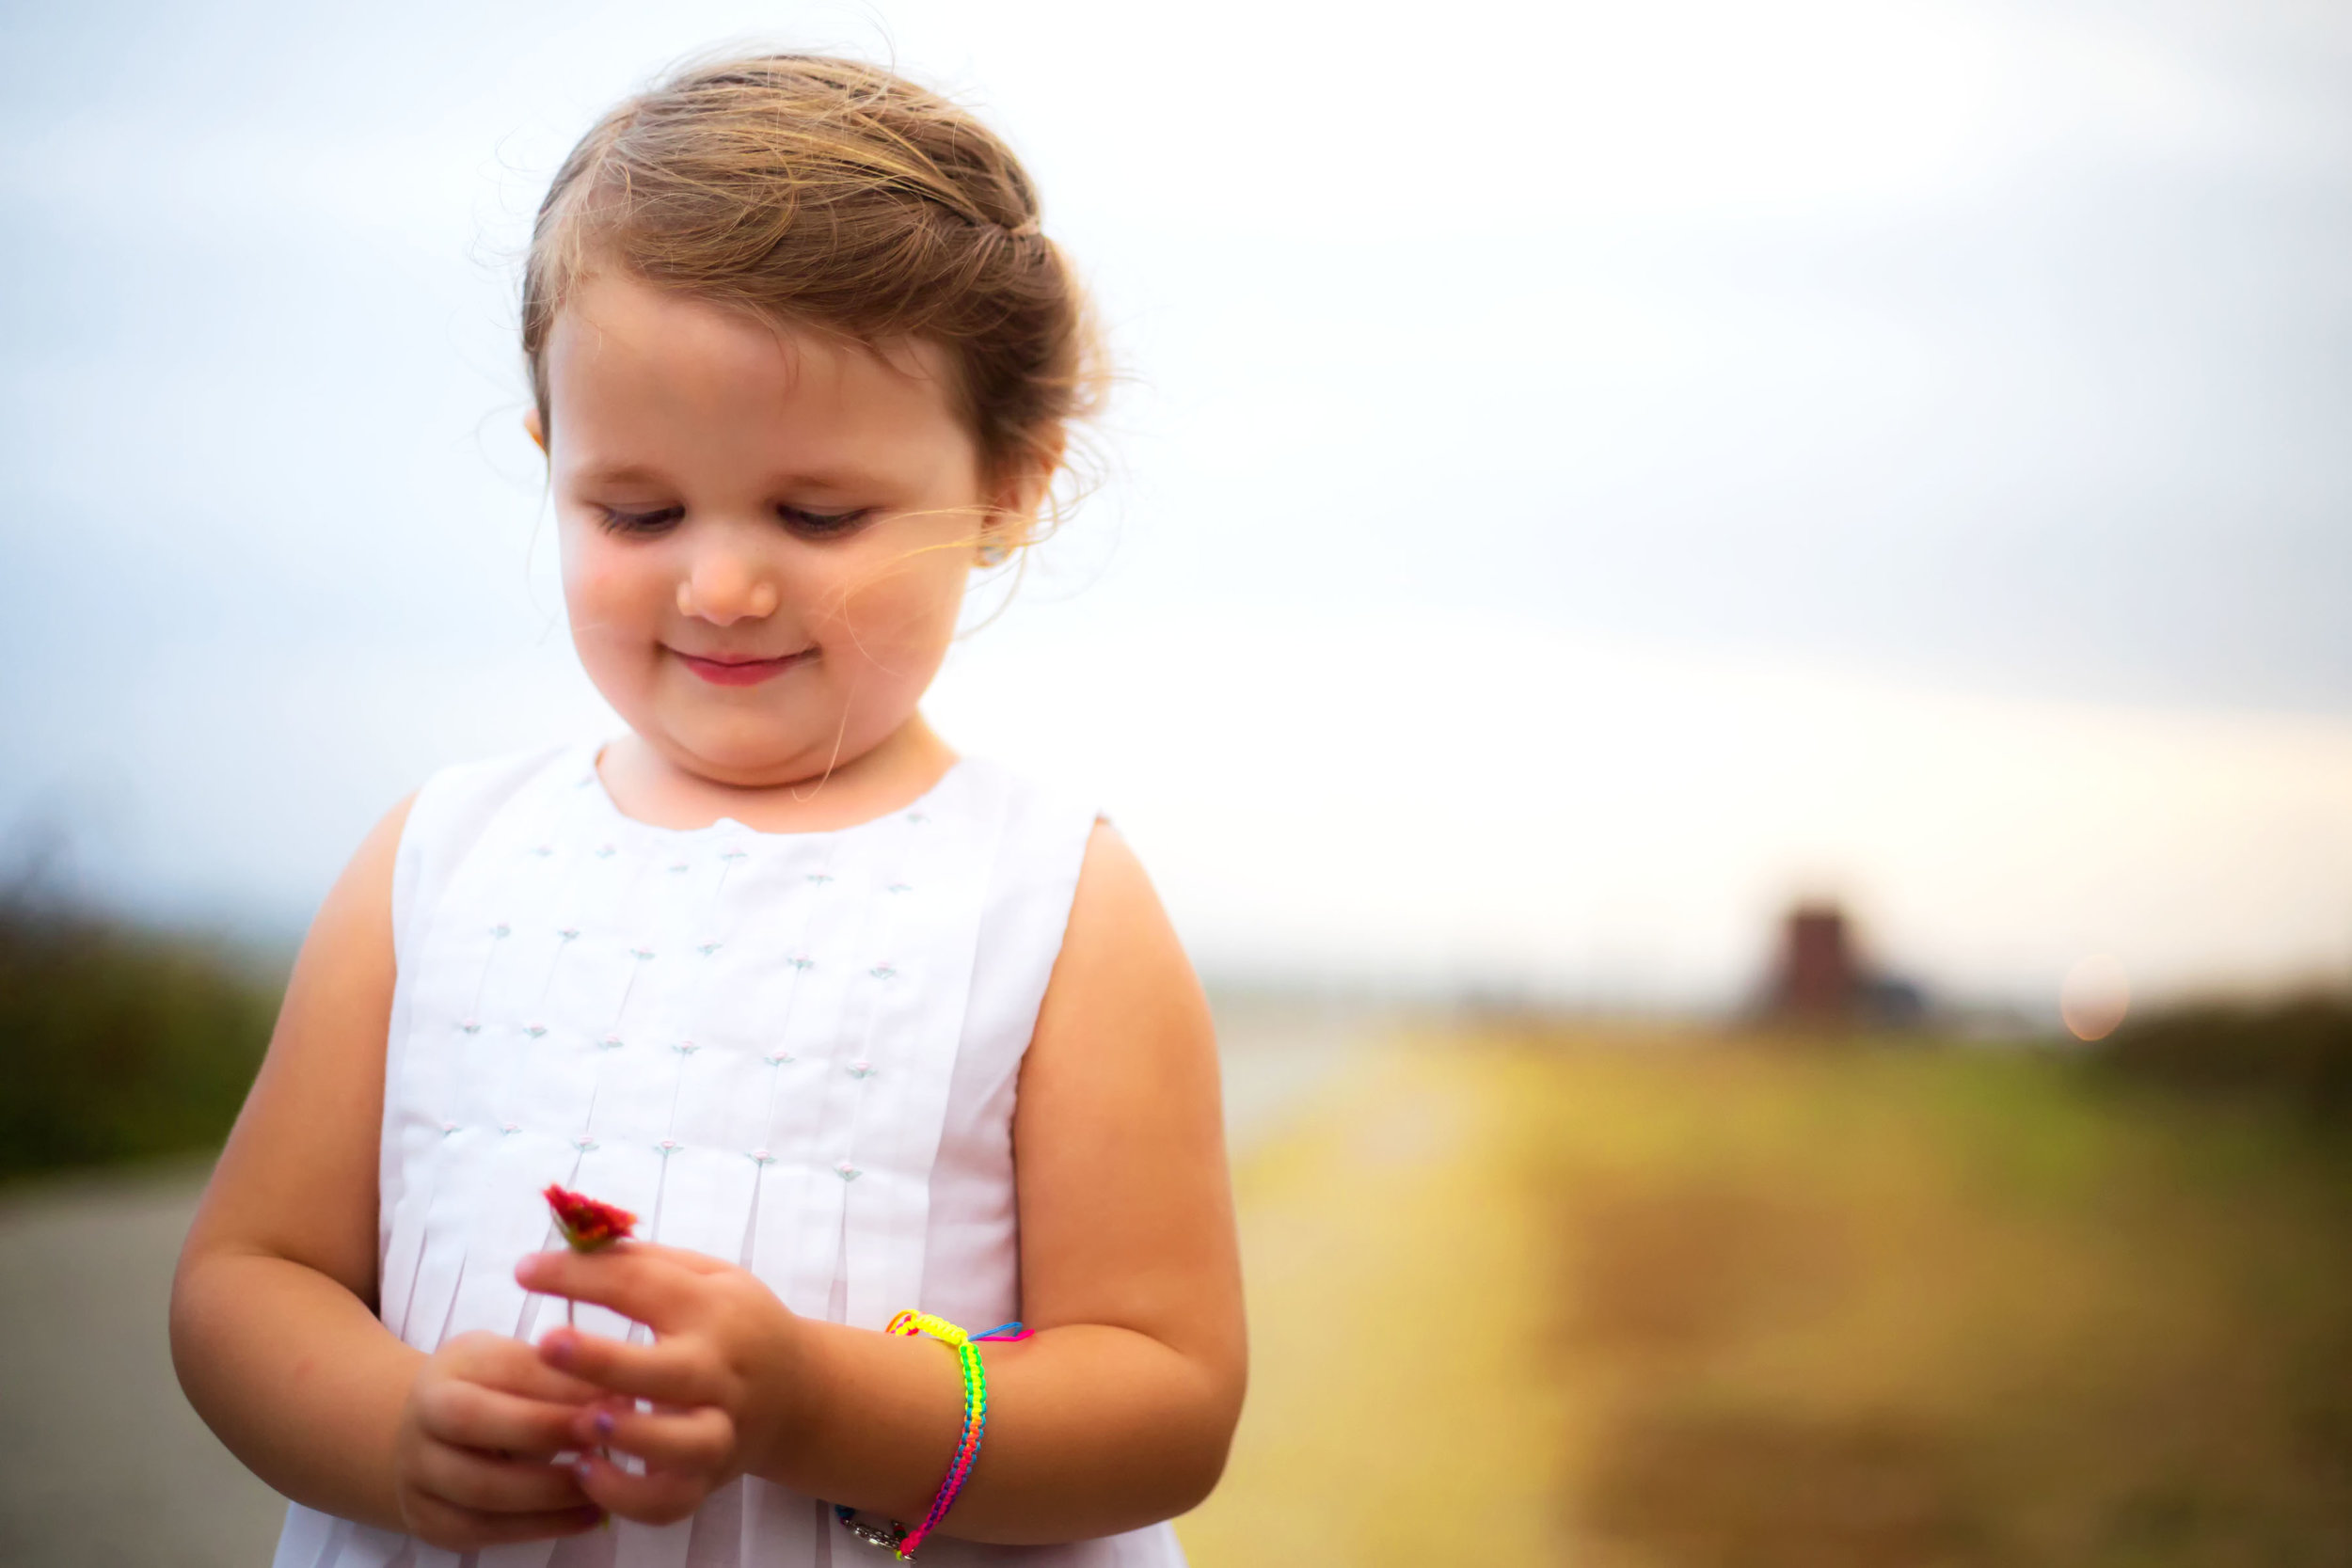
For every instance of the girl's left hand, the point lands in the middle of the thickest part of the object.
(721, 1372)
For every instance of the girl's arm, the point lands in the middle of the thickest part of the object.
(1117, 1415)
(273, 1324)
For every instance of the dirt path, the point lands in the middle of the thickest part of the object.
(102, 1461)
(1391, 1284)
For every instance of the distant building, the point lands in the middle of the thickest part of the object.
(1821, 979)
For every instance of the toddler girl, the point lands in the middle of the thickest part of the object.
(850, 1024)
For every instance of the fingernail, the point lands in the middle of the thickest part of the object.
(557, 1348)
(583, 1468)
(604, 1423)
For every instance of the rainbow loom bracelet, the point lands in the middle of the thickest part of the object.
(900, 1539)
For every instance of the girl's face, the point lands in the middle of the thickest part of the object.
(765, 534)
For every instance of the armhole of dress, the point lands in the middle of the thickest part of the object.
(1049, 839)
(970, 1262)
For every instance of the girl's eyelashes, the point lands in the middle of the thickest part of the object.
(822, 525)
(641, 522)
(799, 519)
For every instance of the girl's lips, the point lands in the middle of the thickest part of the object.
(741, 671)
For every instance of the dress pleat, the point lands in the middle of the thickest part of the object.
(516, 1554)
(636, 1546)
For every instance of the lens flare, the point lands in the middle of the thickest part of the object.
(2094, 997)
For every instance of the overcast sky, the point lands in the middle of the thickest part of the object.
(1587, 475)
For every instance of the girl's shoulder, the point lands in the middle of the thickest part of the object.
(1041, 827)
(468, 794)
(450, 813)
(1020, 797)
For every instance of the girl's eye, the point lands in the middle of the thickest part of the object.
(822, 524)
(641, 522)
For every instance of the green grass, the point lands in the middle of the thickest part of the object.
(1680, 1302)
(119, 1044)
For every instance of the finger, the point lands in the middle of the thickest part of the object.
(685, 1257)
(665, 1371)
(487, 1484)
(457, 1528)
(656, 1498)
(515, 1367)
(697, 1439)
(639, 1282)
(472, 1416)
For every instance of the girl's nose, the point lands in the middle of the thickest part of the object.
(724, 587)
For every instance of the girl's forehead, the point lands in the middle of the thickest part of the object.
(617, 330)
(629, 363)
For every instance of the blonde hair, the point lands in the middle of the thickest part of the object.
(832, 194)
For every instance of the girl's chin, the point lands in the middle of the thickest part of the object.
(757, 756)
(744, 766)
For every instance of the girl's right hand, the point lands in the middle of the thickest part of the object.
(471, 1458)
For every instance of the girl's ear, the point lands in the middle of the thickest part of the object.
(534, 429)
(1023, 490)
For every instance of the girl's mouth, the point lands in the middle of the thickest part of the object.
(741, 671)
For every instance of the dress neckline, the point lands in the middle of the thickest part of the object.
(591, 781)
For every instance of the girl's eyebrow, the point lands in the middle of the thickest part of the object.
(815, 479)
(623, 473)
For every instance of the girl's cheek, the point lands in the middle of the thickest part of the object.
(595, 578)
(885, 626)
(852, 609)
(901, 600)
(576, 570)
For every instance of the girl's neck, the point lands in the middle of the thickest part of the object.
(665, 793)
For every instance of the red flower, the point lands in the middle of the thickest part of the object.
(585, 1223)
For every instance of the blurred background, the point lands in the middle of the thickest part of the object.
(1723, 624)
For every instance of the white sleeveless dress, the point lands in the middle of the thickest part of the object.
(797, 1051)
